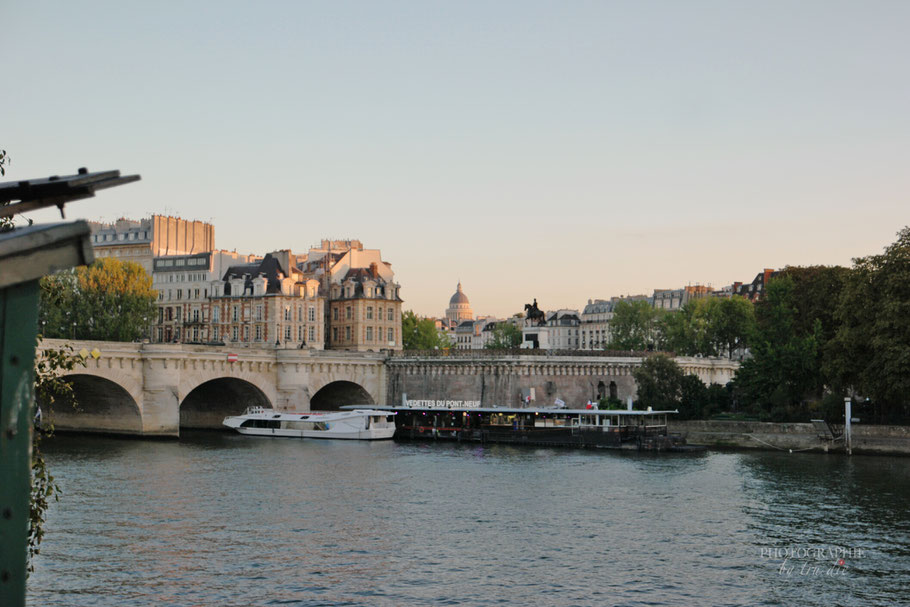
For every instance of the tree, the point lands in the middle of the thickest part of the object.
(783, 369)
(732, 324)
(506, 336)
(109, 300)
(633, 325)
(659, 381)
(869, 352)
(708, 327)
(421, 333)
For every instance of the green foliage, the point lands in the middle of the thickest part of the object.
(659, 381)
(633, 325)
(506, 336)
(50, 388)
(421, 333)
(109, 300)
(610, 403)
(663, 385)
(708, 327)
(784, 366)
(869, 352)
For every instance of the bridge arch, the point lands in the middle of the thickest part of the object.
(101, 405)
(206, 405)
(336, 394)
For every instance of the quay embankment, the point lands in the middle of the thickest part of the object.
(866, 439)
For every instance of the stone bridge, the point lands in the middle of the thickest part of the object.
(157, 389)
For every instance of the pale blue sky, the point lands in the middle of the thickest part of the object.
(558, 150)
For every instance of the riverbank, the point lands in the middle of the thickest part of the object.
(869, 440)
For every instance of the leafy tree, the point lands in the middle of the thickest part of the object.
(783, 369)
(421, 333)
(109, 300)
(506, 336)
(633, 325)
(659, 381)
(869, 353)
(662, 384)
(708, 327)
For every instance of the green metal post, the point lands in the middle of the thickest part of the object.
(18, 331)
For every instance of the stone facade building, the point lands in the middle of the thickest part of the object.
(364, 311)
(184, 284)
(141, 241)
(339, 296)
(560, 332)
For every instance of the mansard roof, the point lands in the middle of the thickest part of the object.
(268, 267)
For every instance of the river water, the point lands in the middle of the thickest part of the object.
(219, 519)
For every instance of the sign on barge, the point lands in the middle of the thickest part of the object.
(581, 428)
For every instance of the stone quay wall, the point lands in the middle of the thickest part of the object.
(502, 380)
(867, 439)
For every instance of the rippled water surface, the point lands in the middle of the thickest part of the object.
(229, 520)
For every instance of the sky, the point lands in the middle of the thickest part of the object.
(562, 151)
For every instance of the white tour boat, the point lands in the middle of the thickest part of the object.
(362, 424)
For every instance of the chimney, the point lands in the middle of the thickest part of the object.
(374, 270)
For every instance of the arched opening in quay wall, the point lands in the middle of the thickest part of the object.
(338, 394)
(206, 406)
(98, 405)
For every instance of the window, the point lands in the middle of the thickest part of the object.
(348, 313)
(299, 333)
(177, 313)
(369, 312)
(391, 335)
(236, 315)
(179, 293)
(334, 334)
(334, 313)
(369, 333)
(347, 333)
(311, 314)
(215, 314)
(258, 312)
(258, 332)
(287, 333)
(312, 335)
(299, 313)
(234, 333)
(195, 315)
(287, 313)
(379, 313)
(246, 334)
(391, 314)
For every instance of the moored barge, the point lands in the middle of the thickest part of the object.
(581, 428)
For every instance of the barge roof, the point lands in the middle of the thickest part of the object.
(619, 412)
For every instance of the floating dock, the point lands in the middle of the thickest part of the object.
(580, 428)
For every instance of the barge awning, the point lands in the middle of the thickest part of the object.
(611, 412)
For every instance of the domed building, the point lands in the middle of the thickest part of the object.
(459, 308)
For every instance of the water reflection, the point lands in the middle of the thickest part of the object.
(229, 520)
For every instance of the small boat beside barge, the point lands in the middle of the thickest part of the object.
(358, 424)
(580, 428)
